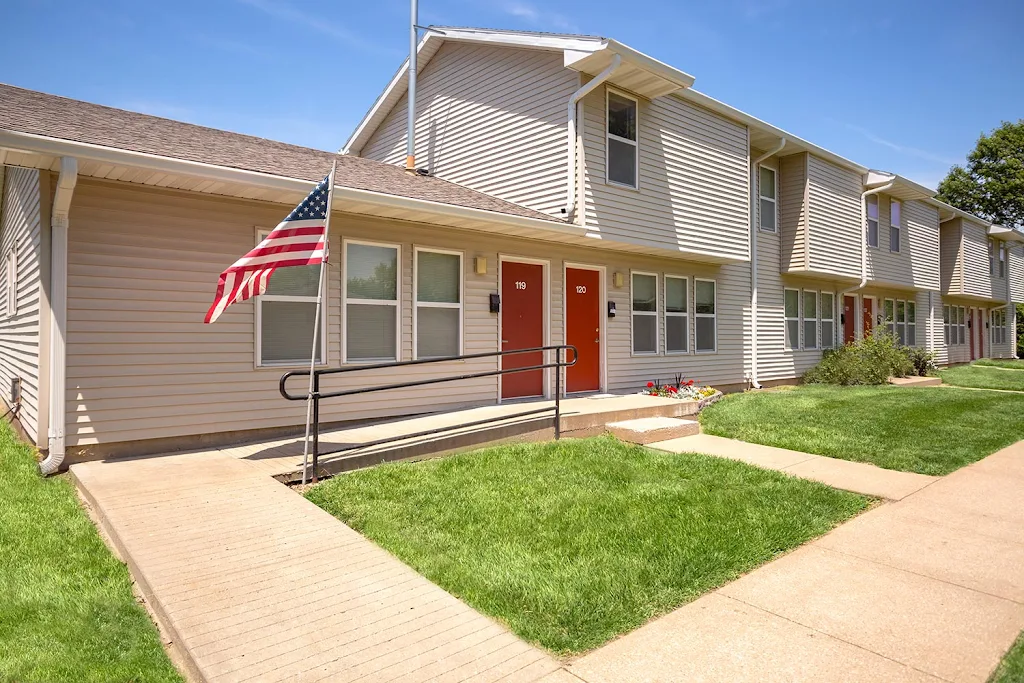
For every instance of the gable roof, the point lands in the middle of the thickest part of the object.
(51, 116)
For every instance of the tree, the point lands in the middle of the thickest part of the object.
(992, 183)
(1020, 330)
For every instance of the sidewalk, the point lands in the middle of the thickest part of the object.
(930, 588)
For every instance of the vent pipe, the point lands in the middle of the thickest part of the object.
(410, 144)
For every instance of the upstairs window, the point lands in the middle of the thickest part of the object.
(622, 140)
(895, 224)
(645, 312)
(1002, 259)
(872, 220)
(991, 257)
(767, 211)
(371, 302)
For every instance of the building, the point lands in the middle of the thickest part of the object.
(605, 201)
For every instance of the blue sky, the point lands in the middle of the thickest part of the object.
(904, 86)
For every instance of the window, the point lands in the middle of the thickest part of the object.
(889, 312)
(1002, 259)
(872, 220)
(286, 315)
(792, 312)
(371, 302)
(767, 212)
(11, 281)
(676, 315)
(644, 295)
(911, 323)
(991, 257)
(810, 320)
(901, 322)
(895, 224)
(705, 322)
(622, 139)
(438, 296)
(998, 325)
(961, 322)
(945, 325)
(828, 318)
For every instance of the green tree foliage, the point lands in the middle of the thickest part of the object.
(992, 183)
(1020, 330)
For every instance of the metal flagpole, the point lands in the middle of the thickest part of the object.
(316, 324)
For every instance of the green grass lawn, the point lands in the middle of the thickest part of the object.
(67, 612)
(982, 377)
(570, 543)
(930, 430)
(1008, 363)
(1011, 670)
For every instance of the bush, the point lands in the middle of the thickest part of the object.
(923, 361)
(869, 361)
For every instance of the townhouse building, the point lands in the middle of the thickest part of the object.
(570, 190)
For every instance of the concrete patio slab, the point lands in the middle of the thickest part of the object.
(940, 628)
(716, 638)
(843, 474)
(650, 429)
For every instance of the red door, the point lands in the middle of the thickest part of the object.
(522, 327)
(971, 331)
(583, 328)
(849, 319)
(869, 316)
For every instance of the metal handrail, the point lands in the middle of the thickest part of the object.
(317, 395)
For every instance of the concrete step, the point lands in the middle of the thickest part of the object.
(651, 429)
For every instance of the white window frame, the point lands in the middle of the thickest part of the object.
(991, 257)
(345, 301)
(961, 325)
(261, 234)
(656, 313)
(945, 323)
(608, 91)
(911, 326)
(696, 315)
(792, 344)
(1002, 259)
(869, 200)
(11, 277)
(416, 303)
(901, 325)
(774, 200)
(804, 319)
(897, 226)
(890, 323)
(821, 319)
(685, 315)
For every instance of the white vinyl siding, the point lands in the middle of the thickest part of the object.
(969, 259)
(21, 251)
(438, 311)
(768, 194)
(705, 308)
(143, 266)
(489, 118)
(644, 312)
(372, 302)
(910, 258)
(677, 316)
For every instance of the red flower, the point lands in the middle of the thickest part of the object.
(673, 389)
(650, 385)
(690, 383)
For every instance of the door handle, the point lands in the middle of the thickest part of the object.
(597, 341)
(504, 341)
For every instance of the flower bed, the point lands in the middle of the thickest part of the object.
(685, 389)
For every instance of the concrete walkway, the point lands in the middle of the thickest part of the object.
(254, 583)
(930, 588)
(858, 477)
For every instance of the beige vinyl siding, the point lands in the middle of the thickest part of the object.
(977, 281)
(916, 264)
(950, 257)
(21, 231)
(693, 193)
(793, 211)
(489, 118)
(833, 219)
(1015, 268)
(143, 265)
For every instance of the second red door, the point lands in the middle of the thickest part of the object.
(583, 328)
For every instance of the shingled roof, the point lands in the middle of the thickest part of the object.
(36, 113)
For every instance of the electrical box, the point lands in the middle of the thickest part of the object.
(611, 309)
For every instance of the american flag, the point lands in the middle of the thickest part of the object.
(298, 240)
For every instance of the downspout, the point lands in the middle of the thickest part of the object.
(570, 194)
(755, 214)
(59, 310)
(410, 141)
(864, 239)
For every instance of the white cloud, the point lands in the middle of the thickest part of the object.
(540, 19)
(903, 149)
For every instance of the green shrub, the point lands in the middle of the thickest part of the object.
(872, 360)
(922, 361)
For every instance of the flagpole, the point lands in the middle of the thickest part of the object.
(316, 324)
